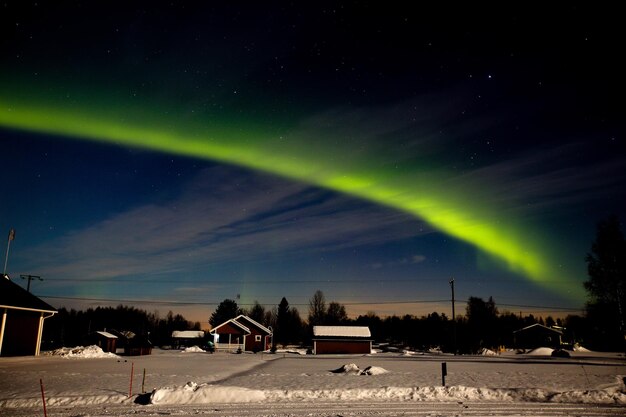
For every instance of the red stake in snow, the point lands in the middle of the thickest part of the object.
(132, 371)
(43, 398)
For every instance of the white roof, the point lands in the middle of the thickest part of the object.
(107, 335)
(188, 334)
(342, 331)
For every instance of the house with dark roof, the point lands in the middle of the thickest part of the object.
(242, 333)
(23, 316)
(537, 335)
(341, 339)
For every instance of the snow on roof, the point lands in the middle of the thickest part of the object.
(342, 331)
(188, 334)
(107, 335)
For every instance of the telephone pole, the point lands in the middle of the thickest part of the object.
(6, 257)
(30, 278)
(453, 317)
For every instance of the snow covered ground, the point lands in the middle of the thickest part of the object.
(90, 380)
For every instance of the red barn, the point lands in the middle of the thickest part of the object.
(341, 339)
(242, 333)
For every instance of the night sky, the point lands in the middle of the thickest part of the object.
(171, 156)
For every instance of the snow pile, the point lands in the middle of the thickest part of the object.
(373, 370)
(487, 352)
(92, 351)
(193, 349)
(349, 369)
(353, 369)
(542, 351)
(578, 348)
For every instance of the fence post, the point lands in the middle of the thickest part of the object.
(43, 398)
(444, 372)
(132, 371)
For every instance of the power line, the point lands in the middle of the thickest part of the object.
(214, 303)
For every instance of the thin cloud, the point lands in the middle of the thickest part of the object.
(220, 217)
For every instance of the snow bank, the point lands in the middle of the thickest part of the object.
(192, 393)
(92, 351)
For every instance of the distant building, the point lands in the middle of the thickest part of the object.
(537, 335)
(104, 340)
(242, 333)
(187, 338)
(137, 345)
(341, 339)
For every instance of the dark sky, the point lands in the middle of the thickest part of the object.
(171, 156)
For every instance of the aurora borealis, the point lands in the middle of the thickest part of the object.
(477, 143)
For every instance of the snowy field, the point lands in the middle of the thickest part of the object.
(86, 382)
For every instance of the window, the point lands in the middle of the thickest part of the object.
(257, 338)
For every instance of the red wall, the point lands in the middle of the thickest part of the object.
(342, 346)
(20, 335)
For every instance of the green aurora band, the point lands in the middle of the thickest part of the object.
(426, 193)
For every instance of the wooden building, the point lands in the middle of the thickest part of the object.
(537, 335)
(242, 333)
(187, 338)
(23, 316)
(104, 340)
(341, 339)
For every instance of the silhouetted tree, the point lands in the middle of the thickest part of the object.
(336, 314)
(257, 313)
(317, 309)
(226, 310)
(288, 324)
(606, 266)
(481, 323)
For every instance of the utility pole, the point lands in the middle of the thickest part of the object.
(30, 278)
(6, 257)
(453, 317)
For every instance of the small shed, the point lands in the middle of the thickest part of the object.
(242, 333)
(104, 340)
(187, 338)
(138, 345)
(537, 335)
(341, 339)
(23, 316)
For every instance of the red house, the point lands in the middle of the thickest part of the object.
(242, 333)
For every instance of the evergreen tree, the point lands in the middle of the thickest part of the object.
(226, 310)
(288, 324)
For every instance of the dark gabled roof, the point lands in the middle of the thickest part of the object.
(15, 297)
(538, 326)
(234, 323)
(243, 318)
